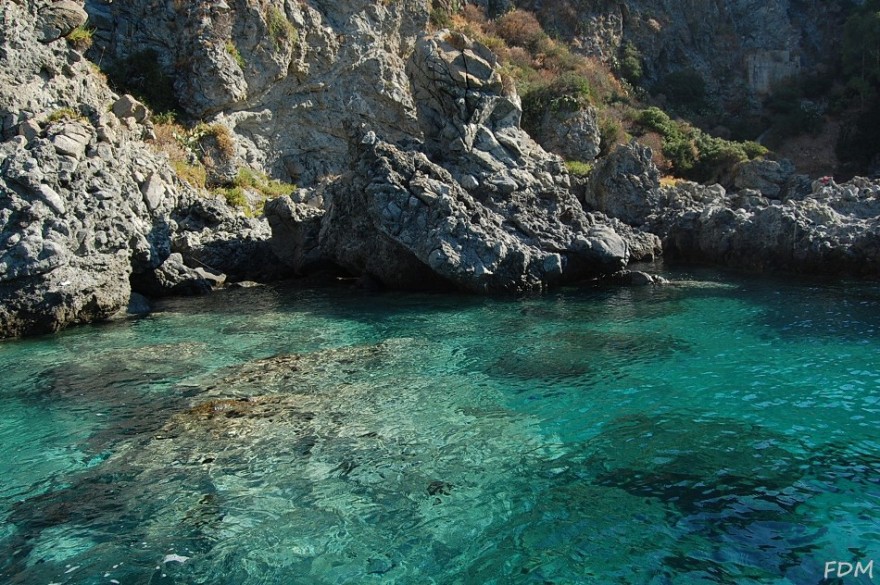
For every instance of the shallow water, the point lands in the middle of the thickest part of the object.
(722, 430)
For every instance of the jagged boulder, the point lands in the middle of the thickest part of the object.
(478, 205)
(406, 222)
(767, 176)
(57, 19)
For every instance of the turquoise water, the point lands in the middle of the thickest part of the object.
(721, 430)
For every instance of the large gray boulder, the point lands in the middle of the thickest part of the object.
(405, 221)
(767, 176)
(478, 205)
(58, 19)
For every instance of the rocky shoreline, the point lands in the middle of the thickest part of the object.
(453, 195)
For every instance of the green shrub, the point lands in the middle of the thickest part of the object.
(247, 180)
(753, 149)
(164, 118)
(440, 18)
(64, 114)
(260, 182)
(631, 63)
(194, 174)
(80, 38)
(567, 93)
(234, 196)
(611, 134)
(694, 154)
(578, 168)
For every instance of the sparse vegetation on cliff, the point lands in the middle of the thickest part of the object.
(80, 38)
(280, 28)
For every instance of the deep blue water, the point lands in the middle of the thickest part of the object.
(720, 430)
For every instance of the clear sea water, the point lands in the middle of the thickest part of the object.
(720, 430)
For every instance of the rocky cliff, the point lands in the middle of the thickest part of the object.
(740, 48)
(408, 143)
(776, 221)
(88, 212)
(285, 76)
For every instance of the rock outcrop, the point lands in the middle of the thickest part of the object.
(88, 212)
(477, 205)
(573, 135)
(825, 228)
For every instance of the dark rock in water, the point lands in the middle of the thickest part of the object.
(635, 278)
(379, 566)
(826, 229)
(173, 277)
(244, 284)
(654, 457)
(138, 304)
(479, 205)
(441, 488)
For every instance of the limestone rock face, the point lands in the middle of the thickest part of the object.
(833, 230)
(763, 42)
(88, 212)
(286, 77)
(478, 205)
